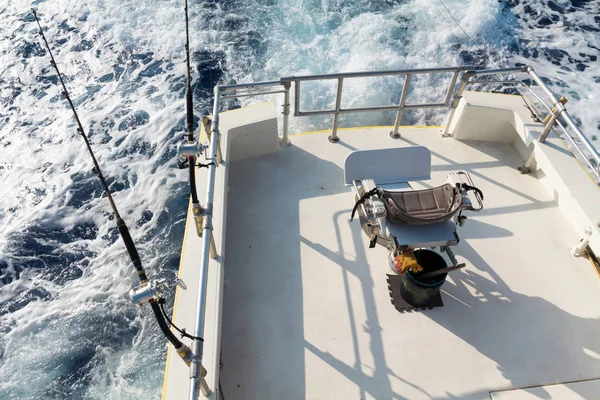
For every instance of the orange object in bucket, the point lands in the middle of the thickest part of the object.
(406, 261)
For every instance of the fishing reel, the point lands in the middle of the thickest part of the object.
(152, 290)
(189, 149)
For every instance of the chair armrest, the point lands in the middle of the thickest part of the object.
(372, 208)
(464, 177)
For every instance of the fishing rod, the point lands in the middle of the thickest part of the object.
(148, 290)
(190, 149)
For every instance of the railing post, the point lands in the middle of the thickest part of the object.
(451, 87)
(550, 119)
(394, 134)
(557, 105)
(548, 128)
(452, 109)
(285, 141)
(333, 138)
(296, 98)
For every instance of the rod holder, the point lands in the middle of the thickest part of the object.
(198, 211)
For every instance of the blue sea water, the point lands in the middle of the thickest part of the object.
(67, 329)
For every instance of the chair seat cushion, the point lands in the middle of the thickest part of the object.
(417, 236)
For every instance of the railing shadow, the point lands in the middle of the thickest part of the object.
(266, 340)
(263, 308)
(526, 336)
(376, 384)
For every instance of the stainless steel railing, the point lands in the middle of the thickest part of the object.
(399, 108)
(285, 83)
(555, 108)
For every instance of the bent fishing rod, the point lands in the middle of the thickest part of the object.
(148, 290)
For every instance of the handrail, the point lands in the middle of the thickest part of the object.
(556, 109)
(241, 90)
(225, 88)
(399, 108)
(208, 249)
(369, 74)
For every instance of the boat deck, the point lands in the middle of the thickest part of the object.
(307, 312)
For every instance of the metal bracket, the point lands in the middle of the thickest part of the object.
(526, 168)
(212, 247)
(219, 159)
(219, 154)
(580, 249)
(199, 212)
(206, 121)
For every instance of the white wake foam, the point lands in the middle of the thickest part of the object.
(58, 319)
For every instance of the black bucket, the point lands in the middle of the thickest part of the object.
(421, 293)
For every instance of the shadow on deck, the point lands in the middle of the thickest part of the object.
(306, 309)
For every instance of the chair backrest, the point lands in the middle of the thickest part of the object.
(384, 166)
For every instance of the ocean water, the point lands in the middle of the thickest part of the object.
(67, 329)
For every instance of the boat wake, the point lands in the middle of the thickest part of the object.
(66, 327)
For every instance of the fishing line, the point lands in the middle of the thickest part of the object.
(533, 115)
(461, 28)
(527, 106)
(468, 36)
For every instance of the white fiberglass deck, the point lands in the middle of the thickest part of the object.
(307, 312)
